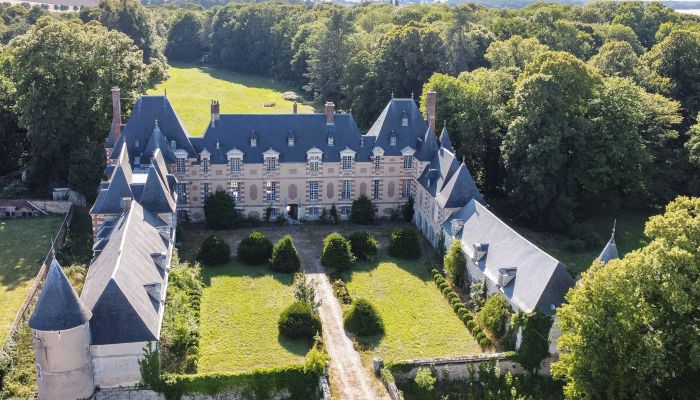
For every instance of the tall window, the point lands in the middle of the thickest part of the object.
(137, 143)
(270, 164)
(181, 193)
(407, 162)
(205, 165)
(314, 163)
(347, 163)
(404, 120)
(253, 142)
(347, 189)
(236, 163)
(345, 210)
(392, 139)
(330, 140)
(406, 189)
(180, 166)
(377, 163)
(290, 141)
(235, 190)
(313, 190)
(205, 192)
(270, 191)
(376, 189)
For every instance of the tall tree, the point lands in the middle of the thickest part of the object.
(185, 37)
(13, 138)
(514, 52)
(619, 59)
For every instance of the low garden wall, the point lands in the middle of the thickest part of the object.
(455, 368)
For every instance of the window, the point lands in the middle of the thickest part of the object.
(205, 165)
(406, 188)
(235, 190)
(273, 213)
(270, 164)
(330, 140)
(181, 193)
(347, 163)
(313, 211)
(407, 162)
(313, 190)
(345, 210)
(392, 139)
(137, 143)
(253, 142)
(376, 189)
(290, 141)
(180, 166)
(173, 145)
(236, 163)
(404, 119)
(377, 163)
(314, 163)
(347, 190)
(270, 191)
(182, 215)
(205, 192)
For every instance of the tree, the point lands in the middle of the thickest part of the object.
(184, 42)
(299, 321)
(220, 211)
(425, 380)
(87, 60)
(494, 315)
(362, 211)
(363, 245)
(407, 210)
(628, 327)
(13, 139)
(363, 319)
(618, 59)
(214, 251)
(465, 44)
(534, 346)
(693, 143)
(284, 256)
(623, 33)
(405, 244)
(514, 52)
(305, 289)
(255, 249)
(337, 253)
(455, 264)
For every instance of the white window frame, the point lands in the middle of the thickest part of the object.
(236, 165)
(345, 211)
(270, 164)
(314, 188)
(330, 140)
(290, 141)
(346, 190)
(376, 189)
(234, 190)
(253, 142)
(346, 163)
(407, 162)
(407, 189)
(270, 191)
(180, 166)
(205, 165)
(205, 192)
(392, 140)
(181, 189)
(314, 211)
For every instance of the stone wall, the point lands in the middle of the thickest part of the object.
(459, 367)
(128, 394)
(52, 206)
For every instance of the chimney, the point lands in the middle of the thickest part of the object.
(126, 204)
(116, 112)
(294, 107)
(330, 110)
(430, 104)
(214, 112)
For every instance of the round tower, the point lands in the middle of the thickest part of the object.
(61, 334)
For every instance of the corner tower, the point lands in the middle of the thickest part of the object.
(61, 335)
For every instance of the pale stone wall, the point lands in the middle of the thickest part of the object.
(460, 367)
(128, 394)
(117, 364)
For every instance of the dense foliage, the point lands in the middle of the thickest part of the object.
(363, 245)
(630, 328)
(185, 38)
(284, 256)
(255, 249)
(299, 321)
(337, 253)
(404, 243)
(363, 319)
(494, 316)
(214, 251)
(534, 346)
(220, 211)
(362, 211)
(455, 263)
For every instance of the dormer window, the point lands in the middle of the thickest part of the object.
(506, 276)
(330, 140)
(404, 119)
(407, 163)
(313, 157)
(270, 164)
(253, 142)
(290, 141)
(347, 163)
(173, 145)
(480, 250)
(205, 165)
(218, 145)
(392, 139)
(137, 143)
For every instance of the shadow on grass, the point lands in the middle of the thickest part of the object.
(417, 268)
(235, 268)
(298, 347)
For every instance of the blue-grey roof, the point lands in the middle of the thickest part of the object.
(233, 131)
(115, 287)
(157, 141)
(389, 123)
(441, 168)
(59, 307)
(109, 198)
(155, 196)
(445, 141)
(459, 189)
(427, 147)
(609, 251)
(540, 281)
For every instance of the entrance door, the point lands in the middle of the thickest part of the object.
(293, 211)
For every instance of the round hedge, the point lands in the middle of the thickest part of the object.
(337, 253)
(299, 321)
(462, 312)
(363, 319)
(363, 245)
(214, 251)
(255, 249)
(485, 343)
(434, 271)
(284, 256)
(471, 325)
(405, 244)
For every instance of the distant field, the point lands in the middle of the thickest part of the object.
(24, 242)
(191, 88)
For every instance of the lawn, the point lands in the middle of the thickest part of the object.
(238, 320)
(24, 243)
(190, 88)
(419, 322)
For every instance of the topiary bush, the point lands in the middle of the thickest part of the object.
(405, 244)
(363, 245)
(337, 253)
(494, 315)
(471, 325)
(485, 343)
(461, 312)
(299, 321)
(362, 211)
(220, 211)
(255, 249)
(363, 319)
(455, 263)
(284, 256)
(214, 251)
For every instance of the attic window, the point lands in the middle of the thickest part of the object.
(392, 139)
(290, 141)
(253, 142)
(173, 145)
(137, 143)
(404, 119)
(506, 276)
(218, 145)
(480, 250)
(330, 140)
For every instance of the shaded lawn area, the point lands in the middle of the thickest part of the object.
(24, 243)
(418, 320)
(191, 87)
(238, 319)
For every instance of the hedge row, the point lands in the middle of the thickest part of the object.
(258, 384)
(460, 309)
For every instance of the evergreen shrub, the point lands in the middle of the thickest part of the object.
(363, 245)
(255, 249)
(485, 343)
(471, 324)
(405, 244)
(362, 211)
(299, 321)
(214, 251)
(220, 211)
(337, 253)
(363, 319)
(284, 256)
(455, 262)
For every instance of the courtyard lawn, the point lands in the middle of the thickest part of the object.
(238, 320)
(418, 320)
(190, 88)
(24, 243)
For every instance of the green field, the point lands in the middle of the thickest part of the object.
(418, 320)
(238, 321)
(24, 243)
(190, 89)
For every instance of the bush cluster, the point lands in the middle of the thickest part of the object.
(284, 256)
(214, 251)
(363, 319)
(494, 315)
(455, 262)
(362, 211)
(405, 243)
(337, 253)
(255, 249)
(340, 290)
(299, 321)
(586, 234)
(220, 211)
(363, 245)
(460, 308)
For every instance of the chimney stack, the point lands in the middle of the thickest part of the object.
(430, 105)
(116, 112)
(214, 112)
(330, 111)
(294, 107)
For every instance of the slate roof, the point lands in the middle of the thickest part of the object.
(459, 189)
(389, 122)
(541, 280)
(109, 199)
(116, 285)
(427, 147)
(610, 250)
(155, 195)
(157, 141)
(233, 131)
(438, 172)
(445, 141)
(59, 307)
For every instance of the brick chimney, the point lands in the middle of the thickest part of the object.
(214, 112)
(330, 111)
(116, 113)
(294, 107)
(430, 104)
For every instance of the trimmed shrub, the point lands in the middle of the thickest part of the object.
(446, 291)
(471, 325)
(494, 315)
(337, 253)
(214, 251)
(435, 272)
(461, 312)
(299, 321)
(405, 244)
(443, 285)
(284, 256)
(479, 336)
(485, 343)
(458, 306)
(455, 263)
(362, 211)
(220, 211)
(477, 330)
(363, 319)
(363, 245)
(255, 249)
(467, 318)
(333, 216)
